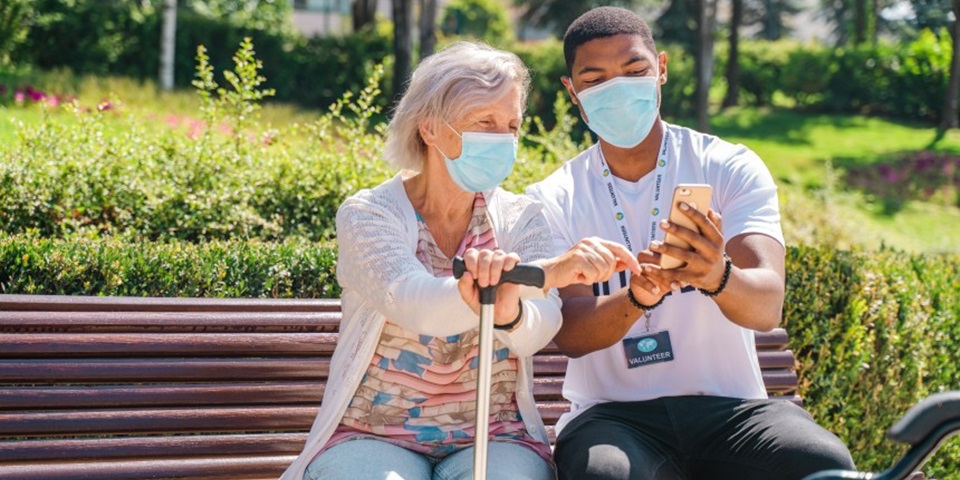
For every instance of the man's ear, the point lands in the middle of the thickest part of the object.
(662, 66)
(568, 84)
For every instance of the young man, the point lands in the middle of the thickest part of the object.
(663, 378)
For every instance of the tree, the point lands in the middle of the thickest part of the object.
(363, 12)
(706, 29)
(402, 44)
(950, 107)
(733, 58)
(428, 27)
(772, 16)
(557, 15)
(14, 25)
(168, 43)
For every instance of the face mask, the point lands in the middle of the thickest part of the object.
(485, 161)
(621, 110)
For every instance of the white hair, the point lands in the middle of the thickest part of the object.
(445, 86)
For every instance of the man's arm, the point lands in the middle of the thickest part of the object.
(753, 297)
(753, 294)
(593, 323)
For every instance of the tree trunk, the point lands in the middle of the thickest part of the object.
(168, 42)
(950, 112)
(364, 13)
(428, 27)
(733, 59)
(859, 22)
(402, 45)
(706, 20)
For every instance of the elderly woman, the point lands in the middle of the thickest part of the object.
(400, 401)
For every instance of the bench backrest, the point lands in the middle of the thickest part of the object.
(100, 387)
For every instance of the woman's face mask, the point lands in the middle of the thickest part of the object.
(621, 110)
(485, 161)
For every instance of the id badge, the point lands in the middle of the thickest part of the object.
(648, 349)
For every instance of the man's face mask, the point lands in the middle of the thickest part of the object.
(622, 110)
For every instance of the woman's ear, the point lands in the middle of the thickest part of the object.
(428, 131)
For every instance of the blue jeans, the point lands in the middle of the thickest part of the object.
(368, 459)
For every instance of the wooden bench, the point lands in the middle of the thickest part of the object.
(120, 388)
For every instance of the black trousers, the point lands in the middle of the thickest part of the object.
(697, 437)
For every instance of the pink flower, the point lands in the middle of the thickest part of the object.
(104, 106)
(19, 97)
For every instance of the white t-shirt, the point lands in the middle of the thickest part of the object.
(711, 355)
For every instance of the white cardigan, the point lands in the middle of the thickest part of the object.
(381, 278)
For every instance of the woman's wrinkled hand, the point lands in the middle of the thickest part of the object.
(483, 269)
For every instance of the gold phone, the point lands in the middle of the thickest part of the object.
(696, 195)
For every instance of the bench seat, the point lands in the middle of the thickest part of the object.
(118, 388)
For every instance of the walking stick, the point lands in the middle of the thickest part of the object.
(521, 274)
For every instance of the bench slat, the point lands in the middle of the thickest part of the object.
(125, 396)
(158, 420)
(139, 344)
(160, 370)
(232, 467)
(163, 446)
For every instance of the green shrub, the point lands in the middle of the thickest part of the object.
(486, 20)
(224, 178)
(119, 267)
(873, 334)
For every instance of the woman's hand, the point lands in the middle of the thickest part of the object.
(591, 260)
(483, 269)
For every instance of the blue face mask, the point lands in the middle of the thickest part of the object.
(621, 110)
(485, 161)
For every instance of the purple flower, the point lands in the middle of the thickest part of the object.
(3, 89)
(35, 95)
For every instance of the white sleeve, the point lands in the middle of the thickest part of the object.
(375, 261)
(560, 237)
(541, 315)
(747, 197)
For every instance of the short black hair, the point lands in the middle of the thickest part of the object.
(603, 22)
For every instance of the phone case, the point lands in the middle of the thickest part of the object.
(696, 195)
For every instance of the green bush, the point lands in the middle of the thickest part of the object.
(118, 267)
(903, 81)
(486, 20)
(873, 334)
(225, 178)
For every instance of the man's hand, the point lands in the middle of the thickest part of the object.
(704, 262)
(591, 260)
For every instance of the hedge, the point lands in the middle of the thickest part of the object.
(873, 332)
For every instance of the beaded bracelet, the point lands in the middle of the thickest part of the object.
(513, 324)
(645, 308)
(723, 283)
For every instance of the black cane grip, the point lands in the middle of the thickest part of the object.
(522, 273)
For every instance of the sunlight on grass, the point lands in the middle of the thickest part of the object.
(797, 146)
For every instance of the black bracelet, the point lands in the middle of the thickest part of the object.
(645, 308)
(513, 324)
(723, 282)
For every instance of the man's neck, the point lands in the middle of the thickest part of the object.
(632, 164)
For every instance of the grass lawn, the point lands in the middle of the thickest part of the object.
(803, 151)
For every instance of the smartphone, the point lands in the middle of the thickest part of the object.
(696, 195)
